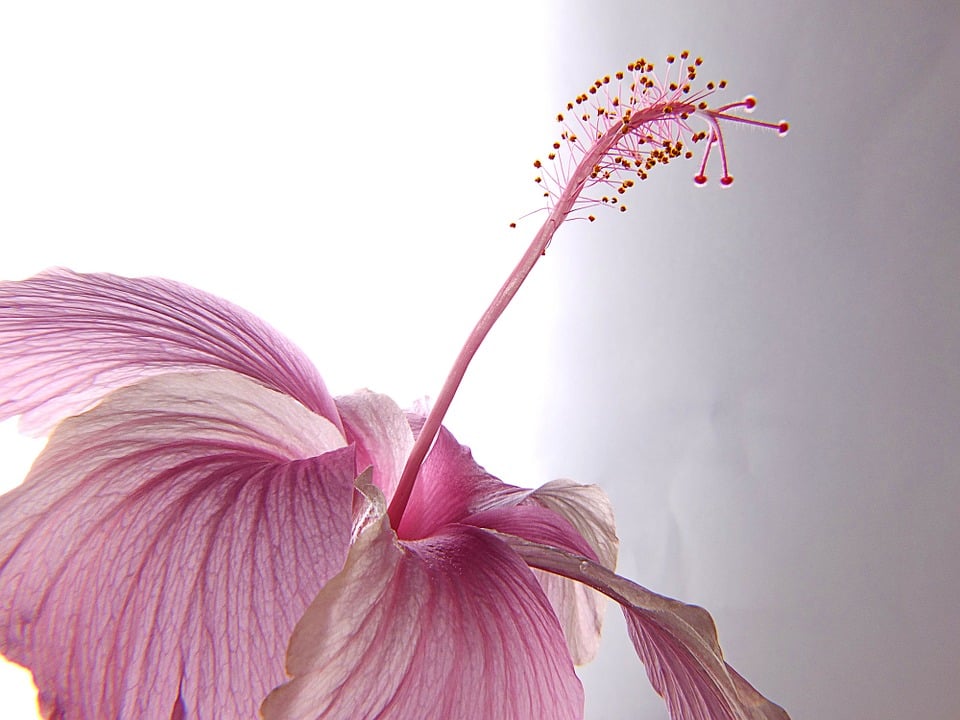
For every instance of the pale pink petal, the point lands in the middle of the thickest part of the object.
(453, 626)
(68, 339)
(156, 559)
(580, 608)
(383, 437)
(676, 642)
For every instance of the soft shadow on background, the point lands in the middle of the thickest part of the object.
(764, 379)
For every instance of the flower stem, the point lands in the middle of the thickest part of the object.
(459, 369)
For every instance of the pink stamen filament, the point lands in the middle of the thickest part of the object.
(668, 110)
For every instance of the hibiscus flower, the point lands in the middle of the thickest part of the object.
(209, 533)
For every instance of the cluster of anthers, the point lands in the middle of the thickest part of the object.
(623, 126)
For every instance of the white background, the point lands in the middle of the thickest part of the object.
(764, 379)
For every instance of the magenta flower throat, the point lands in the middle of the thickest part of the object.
(208, 533)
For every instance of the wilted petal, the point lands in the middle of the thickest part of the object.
(676, 642)
(382, 435)
(68, 339)
(580, 608)
(164, 545)
(453, 626)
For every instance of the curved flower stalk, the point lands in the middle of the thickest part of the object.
(209, 534)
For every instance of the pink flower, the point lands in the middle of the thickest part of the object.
(209, 532)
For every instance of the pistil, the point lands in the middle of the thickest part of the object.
(620, 129)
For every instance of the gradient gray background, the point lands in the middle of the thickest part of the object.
(769, 379)
(763, 379)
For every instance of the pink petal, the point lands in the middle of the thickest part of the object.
(68, 339)
(533, 523)
(383, 437)
(453, 626)
(451, 486)
(164, 545)
(676, 642)
(580, 608)
(588, 509)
